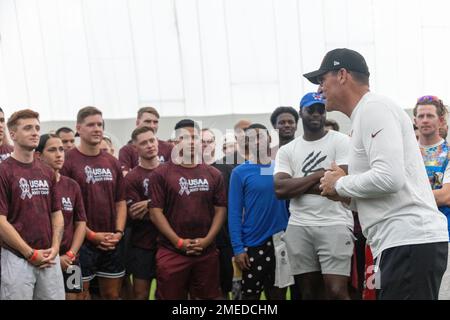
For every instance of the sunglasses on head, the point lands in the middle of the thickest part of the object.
(320, 108)
(428, 99)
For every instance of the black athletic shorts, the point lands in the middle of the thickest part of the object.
(105, 264)
(142, 263)
(412, 272)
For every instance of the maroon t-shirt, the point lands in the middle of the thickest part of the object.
(129, 158)
(5, 152)
(143, 233)
(28, 196)
(72, 208)
(102, 185)
(188, 197)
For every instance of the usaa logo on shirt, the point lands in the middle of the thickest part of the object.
(32, 188)
(145, 185)
(192, 185)
(66, 204)
(94, 175)
(4, 156)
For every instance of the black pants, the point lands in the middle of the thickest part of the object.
(412, 272)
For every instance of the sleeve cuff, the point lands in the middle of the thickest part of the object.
(340, 188)
(341, 192)
(238, 250)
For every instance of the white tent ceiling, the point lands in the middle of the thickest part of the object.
(209, 57)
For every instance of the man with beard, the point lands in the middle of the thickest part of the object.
(319, 237)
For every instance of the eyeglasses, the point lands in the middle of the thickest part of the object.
(320, 108)
(429, 99)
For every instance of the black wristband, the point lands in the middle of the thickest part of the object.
(119, 231)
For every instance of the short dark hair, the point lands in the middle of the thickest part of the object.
(43, 141)
(256, 126)
(64, 130)
(187, 123)
(332, 123)
(21, 114)
(140, 130)
(281, 110)
(359, 77)
(1, 110)
(151, 110)
(86, 112)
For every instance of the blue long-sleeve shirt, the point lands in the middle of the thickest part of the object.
(254, 212)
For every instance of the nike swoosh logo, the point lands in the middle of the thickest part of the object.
(374, 134)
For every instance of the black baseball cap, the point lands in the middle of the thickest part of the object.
(337, 59)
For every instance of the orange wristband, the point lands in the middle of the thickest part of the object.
(90, 235)
(34, 256)
(71, 255)
(180, 243)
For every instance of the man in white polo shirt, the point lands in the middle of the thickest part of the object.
(386, 182)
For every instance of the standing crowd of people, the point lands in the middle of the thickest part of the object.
(324, 215)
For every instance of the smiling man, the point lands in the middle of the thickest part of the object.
(386, 181)
(284, 119)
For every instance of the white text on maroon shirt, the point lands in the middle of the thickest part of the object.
(33, 188)
(94, 175)
(192, 185)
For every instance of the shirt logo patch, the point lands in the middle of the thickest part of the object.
(312, 163)
(94, 175)
(375, 134)
(192, 185)
(145, 185)
(32, 188)
(4, 156)
(67, 204)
